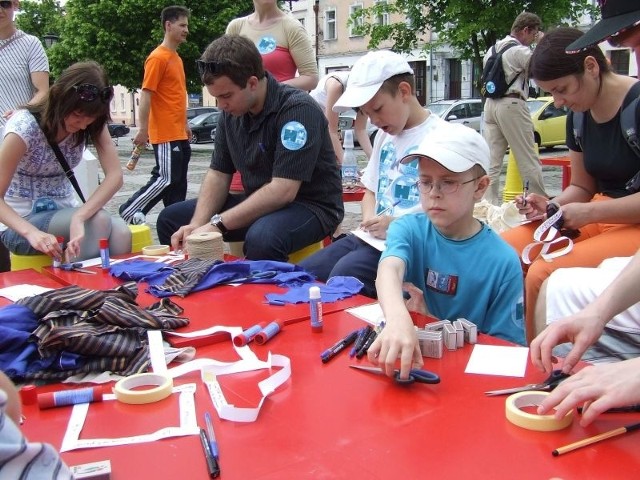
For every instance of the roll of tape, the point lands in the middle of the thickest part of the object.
(155, 250)
(125, 393)
(530, 421)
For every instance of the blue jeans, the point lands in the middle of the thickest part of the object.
(348, 256)
(271, 237)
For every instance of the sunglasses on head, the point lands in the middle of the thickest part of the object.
(6, 4)
(90, 93)
(213, 68)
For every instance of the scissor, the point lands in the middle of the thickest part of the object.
(549, 384)
(415, 375)
(75, 267)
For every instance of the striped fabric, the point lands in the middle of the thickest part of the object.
(23, 460)
(106, 326)
(18, 60)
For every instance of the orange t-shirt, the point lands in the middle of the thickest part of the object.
(164, 77)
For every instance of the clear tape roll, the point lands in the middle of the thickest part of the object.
(530, 421)
(156, 250)
(125, 393)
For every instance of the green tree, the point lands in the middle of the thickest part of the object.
(119, 35)
(470, 27)
(40, 18)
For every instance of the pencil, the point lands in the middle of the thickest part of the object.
(389, 208)
(596, 438)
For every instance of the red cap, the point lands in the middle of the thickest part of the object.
(60, 239)
(28, 394)
(104, 243)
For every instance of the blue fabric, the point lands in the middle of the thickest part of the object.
(16, 324)
(335, 289)
(482, 273)
(136, 269)
(240, 271)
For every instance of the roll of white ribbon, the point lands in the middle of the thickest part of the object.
(155, 250)
(530, 421)
(125, 393)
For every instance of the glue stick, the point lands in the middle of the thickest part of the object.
(268, 332)
(58, 261)
(69, 397)
(248, 335)
(315, 306)
(104, 253)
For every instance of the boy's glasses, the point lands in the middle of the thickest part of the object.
(211, 67)
(6, 4)
(445, 187)
(90, 93)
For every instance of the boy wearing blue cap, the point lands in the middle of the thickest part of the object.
(462, 266)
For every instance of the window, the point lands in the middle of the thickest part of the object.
(382, 19)
(620, 61)
(330, 25)
(358, 22)
(122, 102)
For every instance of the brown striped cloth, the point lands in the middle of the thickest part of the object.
(107, 327)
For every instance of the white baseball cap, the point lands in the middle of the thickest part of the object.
(367, 76)
(456, 148)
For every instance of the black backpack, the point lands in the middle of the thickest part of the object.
(494, 83)
(628, 126)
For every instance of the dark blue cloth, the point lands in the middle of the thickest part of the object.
(137, 269)
(335, 289)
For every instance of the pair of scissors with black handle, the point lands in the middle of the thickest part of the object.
(549, 384)
(415, 375)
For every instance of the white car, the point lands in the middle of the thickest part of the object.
(467, 112)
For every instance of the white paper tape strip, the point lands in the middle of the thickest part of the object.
(530, 421)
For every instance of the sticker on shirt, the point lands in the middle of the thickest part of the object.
(441, 282)
(293, 136)
(266, 45)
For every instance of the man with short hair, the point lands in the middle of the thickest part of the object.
(276, 136)
(163, 119)
(507, 121)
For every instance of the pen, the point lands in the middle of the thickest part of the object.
(363, 333)
(389, 208)
(629, 408)
(212, 463)
(368, 342)
(525, 193)
(595, 439)
(212, 436)
(329, 353)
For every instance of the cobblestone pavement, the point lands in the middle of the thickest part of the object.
(201, 155)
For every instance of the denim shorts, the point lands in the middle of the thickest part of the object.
(19, 245)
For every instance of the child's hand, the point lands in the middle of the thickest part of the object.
(377, 226)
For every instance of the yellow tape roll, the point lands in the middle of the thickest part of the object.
(125, 393)
(155, 250)
(541, 423)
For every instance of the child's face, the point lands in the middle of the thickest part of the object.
(450, 212)
(387, 112)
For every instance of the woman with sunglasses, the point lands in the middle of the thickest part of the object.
(38, 201)
(597, 203)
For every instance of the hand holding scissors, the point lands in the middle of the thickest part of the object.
(415, 375)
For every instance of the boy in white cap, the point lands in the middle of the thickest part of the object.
(462, 266)
(381, 85)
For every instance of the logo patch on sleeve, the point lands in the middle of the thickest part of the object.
(293, 136)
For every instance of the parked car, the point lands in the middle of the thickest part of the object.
(117, 130)
(345, 122)
(549, 121)
(195, 111)
(202, 125)
(466, 111)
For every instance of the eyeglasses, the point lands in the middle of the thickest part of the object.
(212, 67)
(445, 187)
(6, 4)
(90, 93)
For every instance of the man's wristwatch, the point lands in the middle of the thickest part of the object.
(216, 221)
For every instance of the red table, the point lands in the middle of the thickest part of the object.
(563, 162)
(330, 421)
(28, 276)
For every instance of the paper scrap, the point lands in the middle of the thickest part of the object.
(17, 292)
(377, 243)
(498, 360)
(370, 313)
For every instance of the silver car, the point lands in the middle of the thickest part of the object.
(467, 112)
